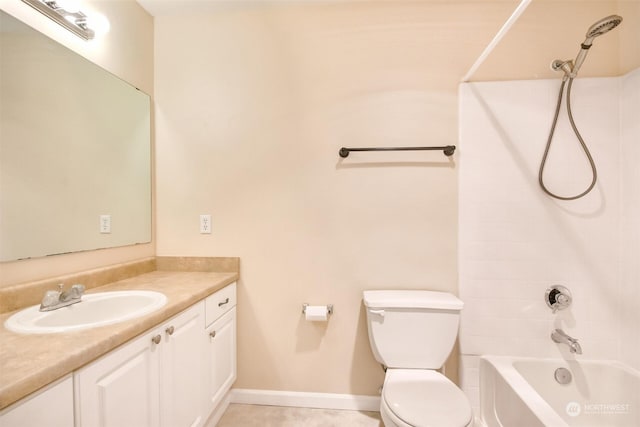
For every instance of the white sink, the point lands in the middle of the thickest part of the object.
(99, 309)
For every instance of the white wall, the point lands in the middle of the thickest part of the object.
(515, 242)
(630, 219)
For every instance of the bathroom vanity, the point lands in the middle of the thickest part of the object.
(170, 368)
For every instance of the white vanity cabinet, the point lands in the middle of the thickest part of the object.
(221, 342)
(52, 406)
(174, 375)
(182, 369)
(153, 381)
(121, 388)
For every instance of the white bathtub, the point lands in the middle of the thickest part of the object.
(523, 392)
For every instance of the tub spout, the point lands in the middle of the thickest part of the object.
(561, 337)
(575, 347)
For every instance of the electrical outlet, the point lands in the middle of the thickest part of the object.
(205, 224)
(105, 224)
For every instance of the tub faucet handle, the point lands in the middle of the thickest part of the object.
(557, 298)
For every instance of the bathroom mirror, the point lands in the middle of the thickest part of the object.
(75, 151)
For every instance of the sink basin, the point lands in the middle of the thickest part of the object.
(99, 309)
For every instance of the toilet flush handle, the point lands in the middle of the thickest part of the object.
(378, 312)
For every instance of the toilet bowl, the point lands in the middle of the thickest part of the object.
(411, 334)
(416, 397)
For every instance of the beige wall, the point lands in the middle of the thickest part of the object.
(554, 29)
(253, 104)
(127, 51)
(629, 49)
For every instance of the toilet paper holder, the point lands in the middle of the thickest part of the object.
(329, 308)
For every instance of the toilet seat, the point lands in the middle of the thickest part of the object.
(422, 397)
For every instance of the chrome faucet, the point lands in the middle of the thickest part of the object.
(561, 337)
(54, 300)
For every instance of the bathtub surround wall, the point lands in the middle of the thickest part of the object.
(630, 219)
(514, 241)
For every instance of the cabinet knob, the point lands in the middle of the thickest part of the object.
(170, 330)
(220, 304)
(156, 339)
(212, 334)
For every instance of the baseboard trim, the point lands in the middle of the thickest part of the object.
(305, 399)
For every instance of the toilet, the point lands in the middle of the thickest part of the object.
(411, 334)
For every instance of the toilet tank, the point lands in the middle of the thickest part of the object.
(412, 329)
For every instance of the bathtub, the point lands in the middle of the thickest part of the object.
(524, 392)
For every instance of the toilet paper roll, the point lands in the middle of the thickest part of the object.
(316, 313)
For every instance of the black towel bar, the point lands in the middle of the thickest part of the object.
(447, 149)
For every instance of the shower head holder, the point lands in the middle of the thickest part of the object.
(566, 66)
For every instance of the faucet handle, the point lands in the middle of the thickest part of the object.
(50, 297)
(77, 290)
(562, 301)
(558, 297)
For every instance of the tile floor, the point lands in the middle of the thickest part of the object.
(238, 415)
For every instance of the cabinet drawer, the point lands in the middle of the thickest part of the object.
(219, 303)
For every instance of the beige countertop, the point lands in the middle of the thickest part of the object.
(29, 362)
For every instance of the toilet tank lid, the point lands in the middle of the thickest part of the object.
(412, 299)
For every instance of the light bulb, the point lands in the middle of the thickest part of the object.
(98, 23)
(71, 6)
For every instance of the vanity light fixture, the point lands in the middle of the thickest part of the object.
(74, 21)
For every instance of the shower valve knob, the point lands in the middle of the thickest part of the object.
(558, 297)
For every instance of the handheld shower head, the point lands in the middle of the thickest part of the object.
(603, 26)
(569, 67)
(599, 28)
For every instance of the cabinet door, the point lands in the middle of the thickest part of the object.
(221, 357)
(121, 388)
(182, 366)
(51, 407)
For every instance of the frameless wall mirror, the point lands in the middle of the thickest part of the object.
(75, 151)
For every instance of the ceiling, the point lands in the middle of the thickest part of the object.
(546, 30)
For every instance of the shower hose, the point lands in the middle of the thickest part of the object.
(582, 143)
